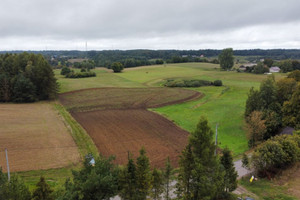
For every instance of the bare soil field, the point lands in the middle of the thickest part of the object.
(115, 132)
(36, 138)
(118, 122)
(124, 98)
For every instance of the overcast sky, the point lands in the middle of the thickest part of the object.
(148, 24)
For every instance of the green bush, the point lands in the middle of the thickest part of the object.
(275, 154)
(65, 71)
(117, 67)
(218, 83)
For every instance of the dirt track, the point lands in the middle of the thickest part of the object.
(115, 132)
(36, 138)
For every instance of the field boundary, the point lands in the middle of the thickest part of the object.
(83, 141)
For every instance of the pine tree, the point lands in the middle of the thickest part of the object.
(43, 190)
(230, 178)
(143, 175)
(156, 184)
(168, 173)
(127, 181)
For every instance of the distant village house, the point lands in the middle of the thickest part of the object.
(274, 69)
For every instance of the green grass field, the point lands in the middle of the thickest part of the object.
(103, 79)
(221, 105)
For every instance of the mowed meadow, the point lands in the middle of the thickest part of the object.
(221, 105)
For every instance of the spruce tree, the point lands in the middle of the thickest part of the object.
(43, 190)
(168, 173)
(184, 179)
(143, 175)
(156, 184)
(200, 174)
(127, 181)
(230, 178)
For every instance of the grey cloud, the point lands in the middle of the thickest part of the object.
(119, 19)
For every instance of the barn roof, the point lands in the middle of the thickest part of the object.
(287, 131)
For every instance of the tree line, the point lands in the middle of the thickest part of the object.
(274, 106)
(202, 174)
(26, 78)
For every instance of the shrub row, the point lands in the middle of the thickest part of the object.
(80, 74)
(191, 83)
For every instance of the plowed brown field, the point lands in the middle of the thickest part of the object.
(118, 122)
(36, 138)
(115, 132)
(124, 98)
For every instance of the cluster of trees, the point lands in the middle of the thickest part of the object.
(26, 78)
(288, 65)
(185, 58)
(15, 189)
(274, 155)
(191, 83)
(273, 106)
(87, 64)
(201, 175)
(68, 73)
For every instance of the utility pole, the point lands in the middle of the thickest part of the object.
(8, 173)
(216, 140)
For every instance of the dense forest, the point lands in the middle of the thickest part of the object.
(26, 78)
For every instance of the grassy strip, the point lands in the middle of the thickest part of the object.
(83, 141)
(54, 177)
(267, 190)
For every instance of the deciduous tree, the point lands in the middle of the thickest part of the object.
(257, 128)
(117, 67)
(226, 59)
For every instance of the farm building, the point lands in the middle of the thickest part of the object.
(249, 64)
(287, 131)
(242, 68)
(274, 69)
